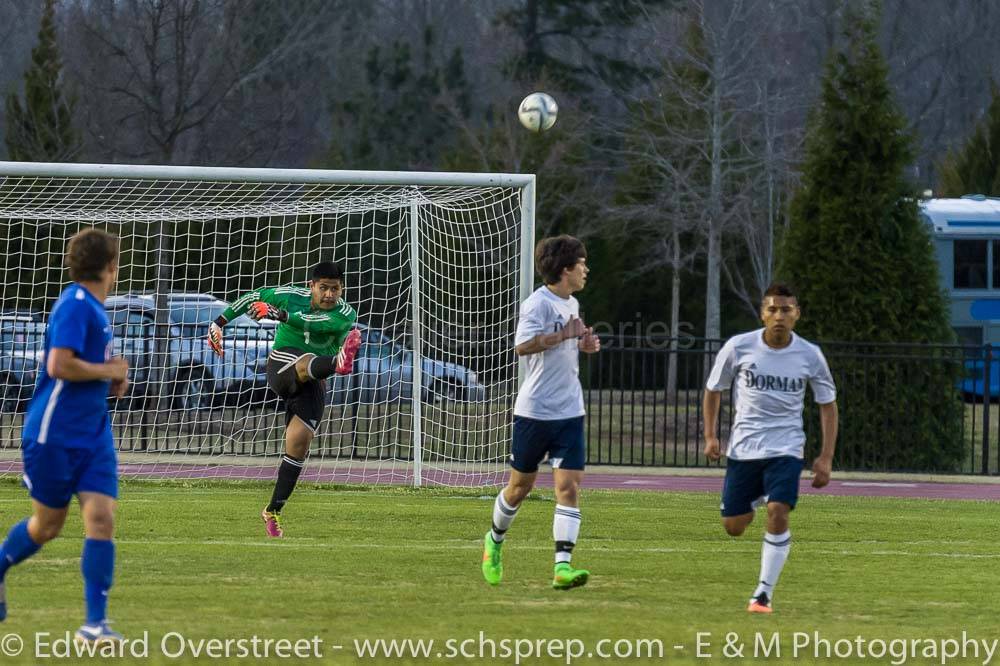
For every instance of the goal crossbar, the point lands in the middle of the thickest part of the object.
(255, 175)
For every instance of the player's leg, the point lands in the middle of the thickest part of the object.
(508, 500)
(97, 565)
(298, 437)
(97, 490)
(568, 456)
(282, 368)
(25, 539)
(527, 449)
(505, 507)
(305, 412)
(48, 478)
(781, 481)
(312, 367)
(743, 485)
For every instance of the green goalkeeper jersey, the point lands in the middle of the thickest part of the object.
(321, 332)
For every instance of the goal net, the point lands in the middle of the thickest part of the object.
(435, 266)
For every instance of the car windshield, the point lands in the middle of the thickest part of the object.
(201, 313)
(19, 336)
(376, 343)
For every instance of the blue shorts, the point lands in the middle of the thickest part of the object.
(746, 480)
(53, 473)
(561, 439)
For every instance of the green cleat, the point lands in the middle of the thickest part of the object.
(566, 577)
(492, 566)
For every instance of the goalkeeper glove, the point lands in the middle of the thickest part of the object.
(261, 310)
(215, 338)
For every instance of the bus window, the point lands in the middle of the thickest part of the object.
(970, 264)
(969, 335)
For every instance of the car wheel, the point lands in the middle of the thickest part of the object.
(445, 391)
(194, 389)
(9, 394)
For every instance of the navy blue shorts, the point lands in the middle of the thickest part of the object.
(562, 440)
(53, 473)
(746, 480)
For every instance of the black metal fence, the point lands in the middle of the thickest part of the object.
(903, 407)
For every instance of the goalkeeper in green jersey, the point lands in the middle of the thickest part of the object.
(316, 338)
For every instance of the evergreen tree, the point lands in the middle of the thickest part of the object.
(864, 268)
(976, 168)
(404, 117)
(566, 42)
(41, 129)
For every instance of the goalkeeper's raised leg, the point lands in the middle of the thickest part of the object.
(316, 338)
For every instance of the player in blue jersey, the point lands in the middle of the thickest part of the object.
(67, 445)
(548, 413)
(768, 370)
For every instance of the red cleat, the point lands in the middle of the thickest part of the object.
(272, 524)
(345, 359)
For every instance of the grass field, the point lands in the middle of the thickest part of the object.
(368, 564)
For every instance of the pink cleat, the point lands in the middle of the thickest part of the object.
(345, 359)
(272, 524)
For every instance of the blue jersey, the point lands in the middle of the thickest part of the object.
(64, 413)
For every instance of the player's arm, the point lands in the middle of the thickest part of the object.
(825, 393)
(63, 363)
(243, 304)
(710, 406)
(544, 341)
(718, 380)
(531, 337)
(823, 465)
(238, 307)
(589, 342)
(68, 329)
(335, 321)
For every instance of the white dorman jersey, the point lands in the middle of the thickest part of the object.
(551, 388)
(769, 392)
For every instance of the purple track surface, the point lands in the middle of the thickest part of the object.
(624, 481)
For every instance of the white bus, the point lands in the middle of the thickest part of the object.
(966, 236)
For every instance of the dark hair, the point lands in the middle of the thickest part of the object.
(779, 289)
(327, 270)
(554, 255)
(89, 252)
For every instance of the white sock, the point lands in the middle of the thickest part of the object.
(772, 559)
(565, 530)
(503, 516)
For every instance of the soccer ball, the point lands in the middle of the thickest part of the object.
(538, 111)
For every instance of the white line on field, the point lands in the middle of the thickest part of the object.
(877, 484)
(462, 545)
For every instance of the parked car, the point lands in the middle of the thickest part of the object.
(193, 312)
(22, 339)
(383, 372)
(190, 375)
(195, 378)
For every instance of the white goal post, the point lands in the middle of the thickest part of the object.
(436, 265)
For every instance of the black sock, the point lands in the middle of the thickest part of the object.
(321, 367)
(288, 475)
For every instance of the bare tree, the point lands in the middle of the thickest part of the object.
(774, 139)
(187, 80)
(942, 57)
(701, 90)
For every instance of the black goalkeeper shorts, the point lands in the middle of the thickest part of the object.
(304, 400)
